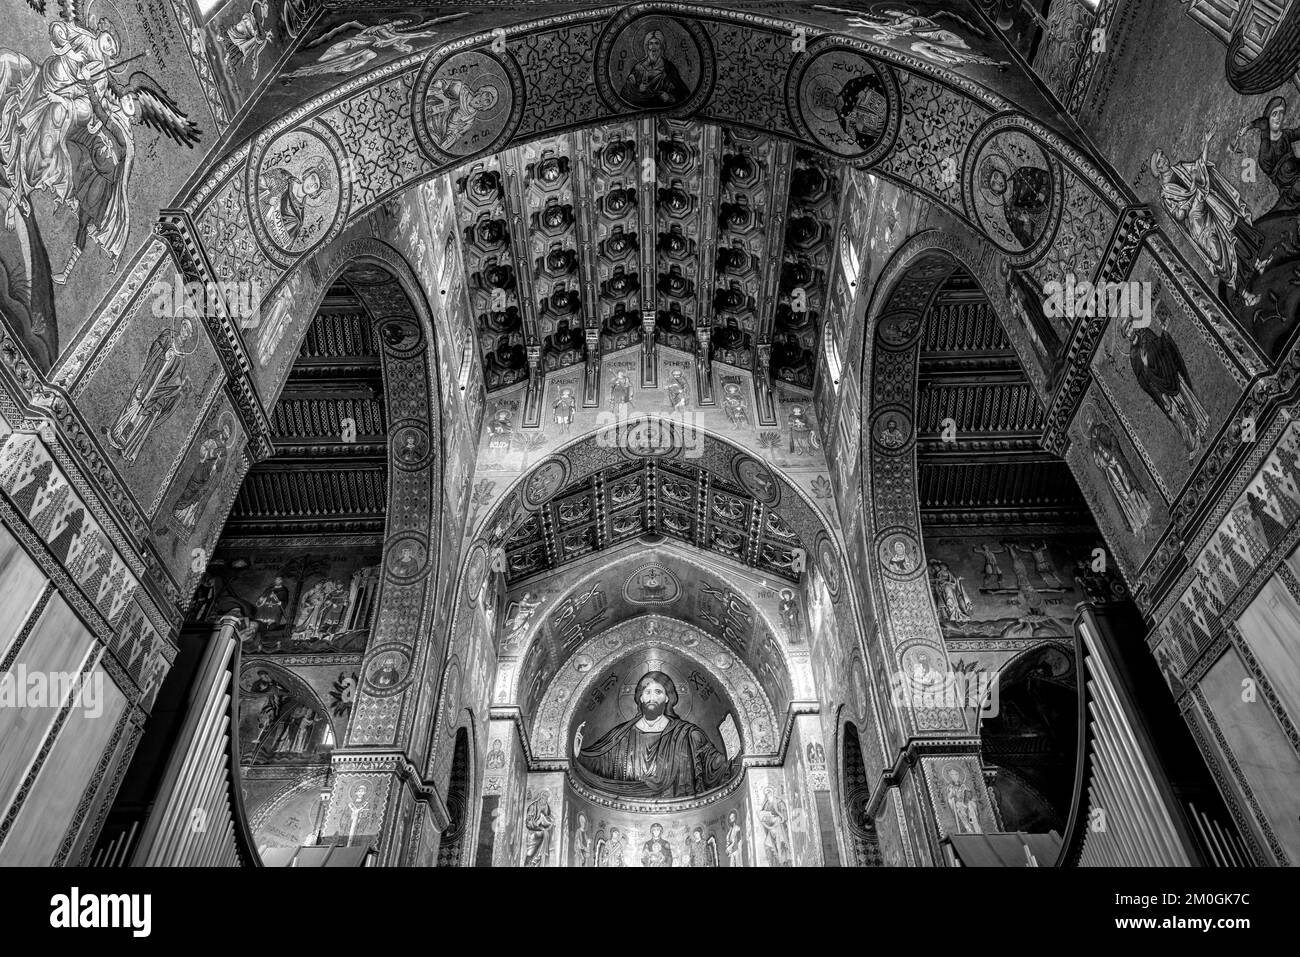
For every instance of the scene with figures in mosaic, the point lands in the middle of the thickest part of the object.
(671, 433)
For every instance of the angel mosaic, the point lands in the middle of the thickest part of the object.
(68, 126)
(1208, 207)
(927, 38)
(245, 39)
(354, 53)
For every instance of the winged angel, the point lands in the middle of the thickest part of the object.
(68, 126)
(353, 53)
(928, 38)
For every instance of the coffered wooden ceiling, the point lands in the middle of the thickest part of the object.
(717, 239)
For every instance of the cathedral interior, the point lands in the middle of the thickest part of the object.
(667, 433)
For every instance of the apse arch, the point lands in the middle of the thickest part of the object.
(887, 484)
(631, 557)
(654, 635)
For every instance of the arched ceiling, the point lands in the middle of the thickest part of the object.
(716, 237)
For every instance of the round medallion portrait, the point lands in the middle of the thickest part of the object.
(1012, 190)
(544, 482)
(405, 558)
(757, 480)
(450, 699)
(829, 566)
(899, 554)
(299, 195)
(400, 336)
(387, 671)
(475, 571)
(892, 431)
(466, 104)
(845, 101)
(654, 63)
(410, 447)
(898, 330)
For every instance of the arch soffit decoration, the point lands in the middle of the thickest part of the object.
(311, 780)
(628, 559)
(548, 737)
(406, 602)
(393, 102)
(898, 581)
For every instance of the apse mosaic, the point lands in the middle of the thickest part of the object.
(593, 705)
(667, 745)
(716, 836)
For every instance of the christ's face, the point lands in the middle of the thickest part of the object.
(653, 700)
(654, 47)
